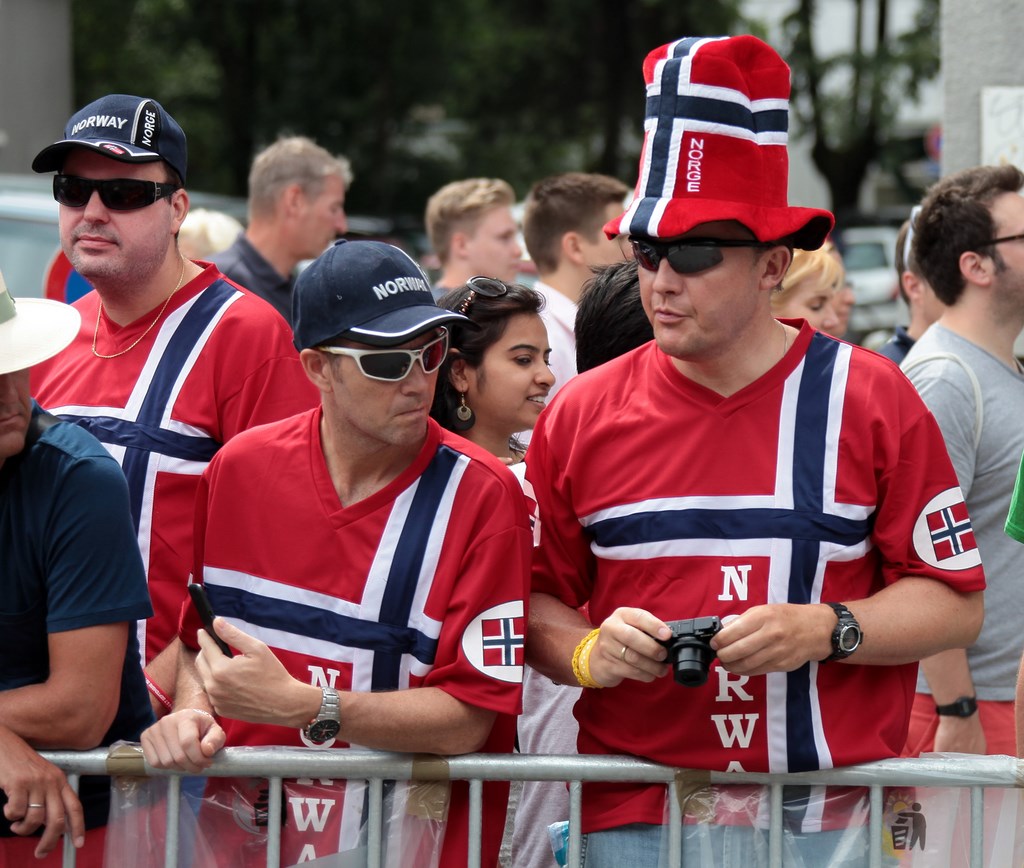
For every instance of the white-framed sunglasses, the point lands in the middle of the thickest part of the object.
(390, 366)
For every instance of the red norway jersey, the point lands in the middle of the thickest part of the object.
(220, 361)
(422, 584)
(824, 480)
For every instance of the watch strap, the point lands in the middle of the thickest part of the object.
(962, 706)
(845, 622)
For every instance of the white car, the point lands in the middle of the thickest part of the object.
(28, 233)
(869, 257)
(30, 239)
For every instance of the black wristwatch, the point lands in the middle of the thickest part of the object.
(326, 724)
(847, 636)
(963, 706)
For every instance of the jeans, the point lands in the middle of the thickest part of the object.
(640, 845)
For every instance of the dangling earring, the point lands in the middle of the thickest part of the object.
(465, 418)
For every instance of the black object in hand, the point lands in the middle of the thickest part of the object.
(202, 606)
(689, 649)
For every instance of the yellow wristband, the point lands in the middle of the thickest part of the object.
(581, 660)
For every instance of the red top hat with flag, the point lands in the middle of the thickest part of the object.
(715, 139)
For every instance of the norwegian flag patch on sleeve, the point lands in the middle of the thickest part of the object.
(943, 533)
(494, 641)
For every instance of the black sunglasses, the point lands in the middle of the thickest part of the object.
(687, 256)
(117, 194)
(1003, 239)
(488, 287)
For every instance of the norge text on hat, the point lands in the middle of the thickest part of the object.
(714, 148)
(133, 129)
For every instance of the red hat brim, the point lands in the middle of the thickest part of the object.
(806, 228)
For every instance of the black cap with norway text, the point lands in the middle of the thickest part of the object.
(133, 129)
(364, 291)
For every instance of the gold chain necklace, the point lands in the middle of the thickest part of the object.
(138, 340)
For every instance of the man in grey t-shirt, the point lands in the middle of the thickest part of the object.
(969, 242)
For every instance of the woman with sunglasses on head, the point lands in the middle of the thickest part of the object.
(496, 378)
(810, 290)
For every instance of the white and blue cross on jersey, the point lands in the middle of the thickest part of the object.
(142, 436)
(798, 528)
(385, 637)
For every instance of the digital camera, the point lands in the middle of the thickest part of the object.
(689, 650)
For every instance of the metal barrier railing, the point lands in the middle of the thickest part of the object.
(975, 773)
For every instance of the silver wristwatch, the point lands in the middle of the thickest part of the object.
(326, 724)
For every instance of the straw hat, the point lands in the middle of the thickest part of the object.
(33, 330)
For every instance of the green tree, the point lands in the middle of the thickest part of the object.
(848, 101)
(416, 94)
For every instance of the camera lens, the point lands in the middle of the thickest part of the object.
(691, 660)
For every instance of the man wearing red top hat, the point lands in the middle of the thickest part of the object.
(787, 490)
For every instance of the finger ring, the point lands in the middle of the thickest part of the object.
(35, 805)
(622, 654)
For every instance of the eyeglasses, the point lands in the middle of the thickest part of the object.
(118, 194)
(391, 366)
(909, 240)
(688, 256)
(488, 287)
(1004, 238)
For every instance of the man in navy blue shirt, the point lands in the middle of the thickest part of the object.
(72, 587)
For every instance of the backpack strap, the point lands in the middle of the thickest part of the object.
(40, 422)
(37, 425)
(979, 410)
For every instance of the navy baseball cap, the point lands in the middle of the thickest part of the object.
(364, 291)
(133, 129)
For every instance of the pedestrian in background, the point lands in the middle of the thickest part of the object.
(968, 241)
(497, 376)
(296, 211)
(472, 231)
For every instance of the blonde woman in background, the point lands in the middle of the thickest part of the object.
(845, 299)
(810, 291)
(206, 232)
